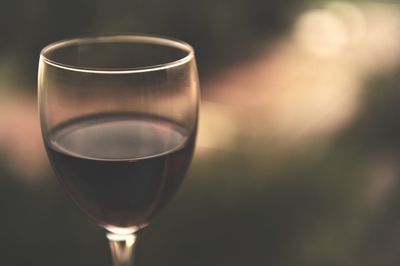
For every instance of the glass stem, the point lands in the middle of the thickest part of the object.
(122, 248)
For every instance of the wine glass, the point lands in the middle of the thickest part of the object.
(119, 119)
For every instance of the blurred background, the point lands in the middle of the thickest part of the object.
(297, 160)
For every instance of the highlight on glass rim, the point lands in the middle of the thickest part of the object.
(197, 132)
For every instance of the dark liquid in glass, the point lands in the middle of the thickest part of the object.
(120, 169)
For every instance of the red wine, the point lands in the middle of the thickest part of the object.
(120, 169)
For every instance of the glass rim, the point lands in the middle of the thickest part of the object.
(133, 38)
